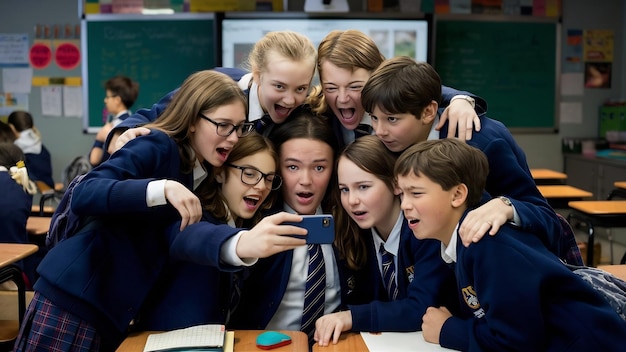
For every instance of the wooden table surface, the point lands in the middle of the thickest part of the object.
(620, 184)
(547, 174)
(600, 207)
(349, 341)
(563, 191)
(12, 252)
(617, 270)
(38, 225)
(245, 341)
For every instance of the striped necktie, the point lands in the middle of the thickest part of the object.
(362, 130)
(389, 274)
(235, 293)
(315, 291)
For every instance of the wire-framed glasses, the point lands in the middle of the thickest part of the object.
(251, 176)
(225, 129)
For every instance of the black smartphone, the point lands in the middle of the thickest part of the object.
(321, 228)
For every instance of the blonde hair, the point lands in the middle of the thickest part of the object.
(350, 49)
(12, 159)
(289, 44)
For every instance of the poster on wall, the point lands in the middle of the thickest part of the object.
(598, 54)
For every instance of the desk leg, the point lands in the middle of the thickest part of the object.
(14, 273)
(590, 236)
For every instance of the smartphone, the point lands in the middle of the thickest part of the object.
(321, 228)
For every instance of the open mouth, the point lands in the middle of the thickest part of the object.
(251, 201)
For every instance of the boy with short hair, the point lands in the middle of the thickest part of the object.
(520, 295)
(402, 97)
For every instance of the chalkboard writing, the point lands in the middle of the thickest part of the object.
(512, 65)
(158, 52)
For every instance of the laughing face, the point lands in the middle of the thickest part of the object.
(283, 86)
(242, 199)
(306, 166)
(366, 198)
(428, 208)
(342, 90)
(205, 141)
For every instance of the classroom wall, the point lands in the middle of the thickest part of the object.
(65, 139)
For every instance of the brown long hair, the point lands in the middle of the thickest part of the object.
(201, 91)
(372, 156)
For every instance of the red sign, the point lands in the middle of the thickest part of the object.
(40, 55)
(67, 56)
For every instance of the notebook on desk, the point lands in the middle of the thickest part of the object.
(210, 337)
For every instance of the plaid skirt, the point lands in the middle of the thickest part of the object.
(49, 328)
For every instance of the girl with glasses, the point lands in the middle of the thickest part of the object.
(232, 199)
(93, 284)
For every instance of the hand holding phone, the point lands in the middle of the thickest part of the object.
(321, 228)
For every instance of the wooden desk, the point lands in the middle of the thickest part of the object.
(9, 254)
(559, 195)
(617, 270)
(38, 225)
(619, 191)
(602, 213)
(47, 210)
(245, 341)
(548, 177)
(349, 341)
(620, 184)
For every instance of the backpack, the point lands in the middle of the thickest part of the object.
(79, 166)
(610, 287)
(64, 222)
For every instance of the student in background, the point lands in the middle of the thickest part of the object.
(121, 93)
(15, 203)
(281, 64)
(38, 160)
(370, 228)
(345, 61)
(515, 294)
(92, 284)
(232, 196)
(6, 133)
(403, 97)
(306, 147)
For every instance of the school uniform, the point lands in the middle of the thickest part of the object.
(276, 307)
(510, 176)
(116, 121)
(344, 136)
(15, 207)
(36, 157)
(196, 287)
(103, 273)
(515, 294)
(423, 280)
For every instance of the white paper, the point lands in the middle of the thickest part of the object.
(572, 83)
(13, 49)
(210, 335)
(17, 80)
(571, 112)
(399, 342)
(72, 101)
(51, 100)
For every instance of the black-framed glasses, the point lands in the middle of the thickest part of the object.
(225, 129)
(251, 176)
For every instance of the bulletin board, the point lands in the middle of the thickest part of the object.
(511, 62)
(157, 51)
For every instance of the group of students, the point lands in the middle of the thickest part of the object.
(184, 224)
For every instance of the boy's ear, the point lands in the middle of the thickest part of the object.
(459, 196)
(430, 112)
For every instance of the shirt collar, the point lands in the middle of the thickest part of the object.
(448, 254)
(434, 134)
(393, 241)
(199, 174)
(255, 111)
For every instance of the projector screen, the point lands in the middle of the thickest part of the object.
(394, 37)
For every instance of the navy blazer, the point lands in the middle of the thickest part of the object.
(104, 272)
(40, 166)
(423, 278)
(510, 176)
(517, 295)
(196, 286)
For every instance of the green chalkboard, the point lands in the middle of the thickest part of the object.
(511, 63)
(158, 51)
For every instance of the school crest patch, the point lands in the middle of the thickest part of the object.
(410, 273)
(471, 299)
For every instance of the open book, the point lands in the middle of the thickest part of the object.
(208, 337)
